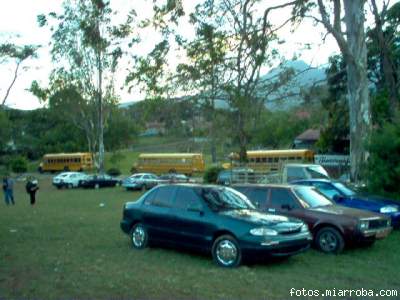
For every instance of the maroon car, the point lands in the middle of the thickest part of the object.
(333, 226)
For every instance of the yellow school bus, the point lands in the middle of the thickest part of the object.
(66, 162)
(273, 160)
(159, 163)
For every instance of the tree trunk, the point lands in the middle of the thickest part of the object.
(101, 123)
(242, 139)
(357, 85)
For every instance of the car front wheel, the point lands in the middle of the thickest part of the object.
(139, 236)
(329, 240)
(226, 252)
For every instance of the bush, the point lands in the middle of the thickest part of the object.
(211, 174)
(113, 172)
(383, 167)
(19, 164)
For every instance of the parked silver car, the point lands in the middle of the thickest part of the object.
(140, 181)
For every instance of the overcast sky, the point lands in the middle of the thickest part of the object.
(18, 18)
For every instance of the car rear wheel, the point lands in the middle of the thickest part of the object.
(143, 187)
(226, 252)
(139, 236)
(70, 186)
(329, 240)
(96, 186)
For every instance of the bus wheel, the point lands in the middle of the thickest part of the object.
(173, 171)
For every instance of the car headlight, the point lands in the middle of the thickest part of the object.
(363, 225)
(304, 228)
(389, 209)
(262, 231)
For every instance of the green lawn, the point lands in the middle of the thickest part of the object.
(68, 247)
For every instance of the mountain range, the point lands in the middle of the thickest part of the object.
(286, 96)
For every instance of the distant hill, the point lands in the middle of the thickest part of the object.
(286, 96)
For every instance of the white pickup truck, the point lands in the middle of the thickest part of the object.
(291, 172)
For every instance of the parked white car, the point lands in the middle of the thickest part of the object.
(68, 179)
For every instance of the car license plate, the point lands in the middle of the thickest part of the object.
(382, 234)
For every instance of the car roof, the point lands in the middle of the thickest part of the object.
(141, 174)
(263, 185)
(67, 173)
(302, 165)
(195, 185)
(314, 180)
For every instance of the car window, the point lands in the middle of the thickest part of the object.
(282, 197)
(294, 173)
(326, 189)
(311, 197)
(225, 199)
(345, 190)
(317, 172)
(146, 177)
(186, 198)
(163, 197)
(149, 197)
(258, 197)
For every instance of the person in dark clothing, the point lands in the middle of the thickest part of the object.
(31, 189)
(8, 189)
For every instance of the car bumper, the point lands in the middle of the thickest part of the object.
(276, 246)
(373, 234)
(395, 220)
(132, 185)
(126, 226)
(59, 184)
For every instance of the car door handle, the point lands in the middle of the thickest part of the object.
(271, 210)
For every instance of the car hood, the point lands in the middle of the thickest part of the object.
(343, 211)
(375, 201)
(259, 218)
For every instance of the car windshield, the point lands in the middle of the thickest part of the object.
(317, 172)
(346, 191)
(311, 197)
(226, 199)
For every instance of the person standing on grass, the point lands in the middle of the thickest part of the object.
(8, 189)
(31, 188)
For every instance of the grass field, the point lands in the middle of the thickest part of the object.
(68, 247)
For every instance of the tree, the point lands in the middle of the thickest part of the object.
(385, 40)
(19, 54)
(5, 130)
(352, 44)
(248, 38)
(86, 50)
(205, 69)
(336, 130)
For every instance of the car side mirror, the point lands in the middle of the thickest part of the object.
(286, 206)
(337, 198)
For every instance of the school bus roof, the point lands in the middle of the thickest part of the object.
(169, 155)
(66, 154)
